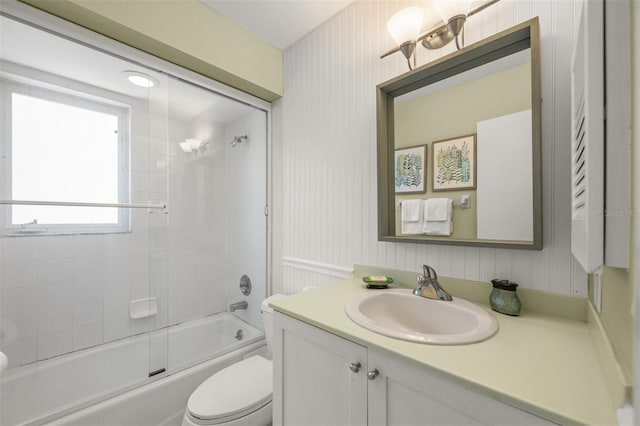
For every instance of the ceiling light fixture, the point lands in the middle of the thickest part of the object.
(450, 26)
(141, 79)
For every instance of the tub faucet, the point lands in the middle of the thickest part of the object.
(429, 286)
(239, 305)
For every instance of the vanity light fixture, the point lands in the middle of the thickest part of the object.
(449, 26)
(192, 145)
(141, 79)
(454, 13)
(404, 27)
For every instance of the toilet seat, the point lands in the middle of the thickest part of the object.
(233, 392)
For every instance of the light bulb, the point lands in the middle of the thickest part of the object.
(191, 145)
(450, 8)
(140, 79)
(431, 16)
(405, 25)
(184, 146)
(194, 144)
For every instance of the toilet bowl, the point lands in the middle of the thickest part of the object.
(239, 394)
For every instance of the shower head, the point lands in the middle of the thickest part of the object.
(238, 139)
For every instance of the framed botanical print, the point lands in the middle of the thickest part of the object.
(410, 165)
(454, 163)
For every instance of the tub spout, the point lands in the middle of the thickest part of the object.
(239, 305)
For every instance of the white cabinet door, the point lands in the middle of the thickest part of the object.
(404, 395)
(412, 394)
(314, 380)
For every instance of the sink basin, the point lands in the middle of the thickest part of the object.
(400, 314)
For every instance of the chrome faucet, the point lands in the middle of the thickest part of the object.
(429, 286)
(239, 305)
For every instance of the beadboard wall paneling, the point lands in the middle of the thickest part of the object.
(308, 274)
(328, 151)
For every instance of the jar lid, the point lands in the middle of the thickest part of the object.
(504, 285)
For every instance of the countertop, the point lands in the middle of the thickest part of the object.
(543, 364)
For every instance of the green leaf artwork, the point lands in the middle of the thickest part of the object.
(409, 169)
(453, 163)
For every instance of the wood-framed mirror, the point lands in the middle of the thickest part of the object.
(459, 147)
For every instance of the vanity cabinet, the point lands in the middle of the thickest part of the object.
(319, 378)
(324, 379)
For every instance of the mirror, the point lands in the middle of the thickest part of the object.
(459, 143)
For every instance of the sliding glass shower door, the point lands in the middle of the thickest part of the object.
(132, 204)
(83, 195)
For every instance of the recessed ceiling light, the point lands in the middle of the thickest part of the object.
(141, 79)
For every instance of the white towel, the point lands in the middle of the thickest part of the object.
(438, 215)
(411, 216)
(411, 210)
(436, 209)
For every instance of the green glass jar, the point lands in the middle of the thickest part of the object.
(504, 298)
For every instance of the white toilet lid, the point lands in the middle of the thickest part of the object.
(234, 391)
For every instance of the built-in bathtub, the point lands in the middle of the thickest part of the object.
(110, 384)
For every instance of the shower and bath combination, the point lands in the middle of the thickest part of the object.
(87, 291)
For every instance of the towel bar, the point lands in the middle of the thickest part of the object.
(162, 206)
(465, 202)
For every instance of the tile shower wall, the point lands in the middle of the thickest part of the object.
(64, 293)
(246, 224)
(196, 229)
(327, 140)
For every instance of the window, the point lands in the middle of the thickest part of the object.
(63, 147)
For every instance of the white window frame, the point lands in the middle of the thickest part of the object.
(84, 101)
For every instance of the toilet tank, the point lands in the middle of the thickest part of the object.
(267, 318)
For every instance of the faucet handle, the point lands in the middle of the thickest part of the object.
(429, 273)
(429, 286)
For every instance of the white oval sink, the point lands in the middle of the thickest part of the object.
(400, 314)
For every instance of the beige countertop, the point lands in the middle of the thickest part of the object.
(546, 365)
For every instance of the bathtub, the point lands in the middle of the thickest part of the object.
(110, 384)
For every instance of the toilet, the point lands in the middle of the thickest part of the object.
(239, 394)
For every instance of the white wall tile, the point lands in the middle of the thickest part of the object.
(88, 303)
(52, 270)
(54, 307)
(116, 324)
(19, 313)
(20, 352)
(11, 273)
(54, 343)
(15, 249)
(85, 336)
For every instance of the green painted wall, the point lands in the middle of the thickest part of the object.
(452, 113)
(618, 291)
(186, 33)
(617, 314)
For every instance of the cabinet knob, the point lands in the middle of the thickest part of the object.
(355, 366)
(371, 375)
